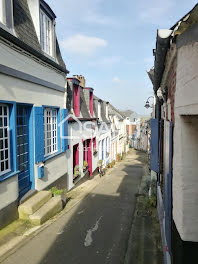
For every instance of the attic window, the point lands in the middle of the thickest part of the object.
(2, 12)
(46, 33)
(6, 13)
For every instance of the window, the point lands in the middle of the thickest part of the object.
(50, 131)
(46, 33)
(85, 151)
(4, 139)
(2, 12)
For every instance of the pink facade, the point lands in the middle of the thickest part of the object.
(91, 103)
(76, 100)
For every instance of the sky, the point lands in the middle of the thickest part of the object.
(111, 43)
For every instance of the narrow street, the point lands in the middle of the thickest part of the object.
(97, 229)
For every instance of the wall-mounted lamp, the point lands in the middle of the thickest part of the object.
(147, 105)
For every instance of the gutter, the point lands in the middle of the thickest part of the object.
(31, 50)
(162, 46)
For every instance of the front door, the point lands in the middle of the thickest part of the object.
(89, 156)
(23, 113)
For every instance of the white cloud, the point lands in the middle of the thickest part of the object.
(82, 45)
(82, 11)
(116, 80)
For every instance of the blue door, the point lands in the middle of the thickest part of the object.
(154, 145)
(23, 115)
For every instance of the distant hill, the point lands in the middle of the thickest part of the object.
(133, 115)
(127, 113)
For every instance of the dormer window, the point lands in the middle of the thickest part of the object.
(91, 103)
(6, 13)
(47, 22)
(46, 33)
(2, 12)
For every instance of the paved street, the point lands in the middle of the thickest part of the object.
(97, 229)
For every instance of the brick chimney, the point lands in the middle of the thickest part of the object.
(81, 79)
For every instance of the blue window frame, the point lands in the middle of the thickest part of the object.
(8, 149)
(47, 133)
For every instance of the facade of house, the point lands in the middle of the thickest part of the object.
(32, 102)
(82, 155)
(104, 131)
(175, 126)
(120, 140)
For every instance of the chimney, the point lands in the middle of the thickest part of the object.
(81, 79)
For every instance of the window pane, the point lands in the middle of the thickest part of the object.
(2, 166)
(6, 165)
(1, 133)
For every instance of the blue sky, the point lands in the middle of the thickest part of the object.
(110, 42)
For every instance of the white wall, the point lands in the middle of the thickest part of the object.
(13, 89)
(186, 95)
(54, 169)
(185, 179)
(77, 138)
(16, 60)
(8, 191)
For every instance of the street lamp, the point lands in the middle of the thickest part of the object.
(147, 105)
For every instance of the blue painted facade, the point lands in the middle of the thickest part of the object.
(26, 133)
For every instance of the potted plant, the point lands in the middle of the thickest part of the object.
(76, 171)
(85, 165)
(100, 163)
(59, 192)
(118, 157)
(95, 151)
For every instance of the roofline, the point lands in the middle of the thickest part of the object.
(88, 88)
(173, 27)
(48, 9)
(8, 36)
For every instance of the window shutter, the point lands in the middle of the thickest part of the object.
(39, 133)
(64, 124)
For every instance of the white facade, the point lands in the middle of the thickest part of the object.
(185, 180)
(78, 132)
(28, 83)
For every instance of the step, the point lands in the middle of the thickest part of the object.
(31, 205)
(48, 210)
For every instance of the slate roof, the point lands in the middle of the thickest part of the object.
(26, 35)
(103, 112)
(114, 111)
(83, 106)
(23, 24)
(95, 107)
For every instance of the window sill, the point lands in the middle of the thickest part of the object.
(8, 175)
(52, 156)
